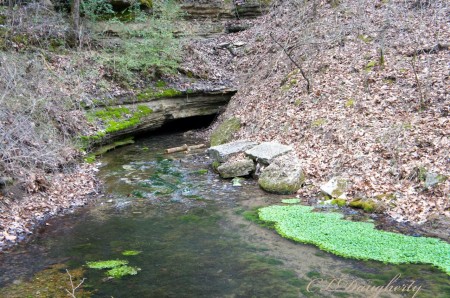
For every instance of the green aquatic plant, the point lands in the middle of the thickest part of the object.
(290, 201)
(106, 264)
(359, 240)
(119, 272)
(131, 252)
(201, 172)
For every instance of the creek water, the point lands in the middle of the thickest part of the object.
(194, 240)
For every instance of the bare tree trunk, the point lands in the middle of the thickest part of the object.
(74, 37)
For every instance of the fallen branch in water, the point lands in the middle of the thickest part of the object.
(72, 294)
(184, 148)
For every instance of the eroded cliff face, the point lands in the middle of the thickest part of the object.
(225, 9)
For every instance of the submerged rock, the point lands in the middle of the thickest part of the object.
(236, 168)
(266, 152)
(283, 176)
(221, 153)
(237, 181)
(336, 188)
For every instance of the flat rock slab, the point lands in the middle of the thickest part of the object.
(266, 152)
(221, 153)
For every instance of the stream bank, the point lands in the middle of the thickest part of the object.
(190, 229)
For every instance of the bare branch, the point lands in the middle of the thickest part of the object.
(308, 82)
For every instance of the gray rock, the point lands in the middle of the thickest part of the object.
(283, 176)
(336, 188)
(431, 179)
(221, 153)
(236, 168)
(266, 152)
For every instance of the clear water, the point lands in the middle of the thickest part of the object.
(194, 241)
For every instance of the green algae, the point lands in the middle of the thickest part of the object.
(290, 201)
(359, 240)
(119, 272)
(106, 264)
(51, 282)
(131, 252)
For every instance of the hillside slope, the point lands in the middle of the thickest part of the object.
(376, 111)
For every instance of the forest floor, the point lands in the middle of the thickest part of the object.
(361, 90)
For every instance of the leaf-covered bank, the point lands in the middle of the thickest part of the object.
(361, 90)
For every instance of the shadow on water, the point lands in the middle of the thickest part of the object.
(193, 239)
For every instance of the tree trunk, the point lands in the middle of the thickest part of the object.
(74, 37)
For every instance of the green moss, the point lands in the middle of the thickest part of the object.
(131, 252)
(359, 240)
(119, 272)
(215, 165)
(106, 264)
(339, 202)
(225, 131)
(201, 172)
(318, 122)
(150, 94)
(369, 66)
(290, 201)
(90, 158)
(365, 38)
(160, 84)
(350, 103)
(366, 205)
(278, 186)
(114, 119)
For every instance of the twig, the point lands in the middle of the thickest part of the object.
(419, 86)
(72, 294)
(308, 83)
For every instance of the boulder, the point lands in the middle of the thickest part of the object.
(236, 168)
(225, 131)
(283, 176)
(266, 152)
(221, 153)
(335, 188)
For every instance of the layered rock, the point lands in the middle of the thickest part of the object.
(236, 168)
(222, 153)
(266, 152)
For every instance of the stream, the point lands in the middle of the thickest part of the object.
(194, 240)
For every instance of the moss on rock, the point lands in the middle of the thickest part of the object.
(368, 205)
(224, 132)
